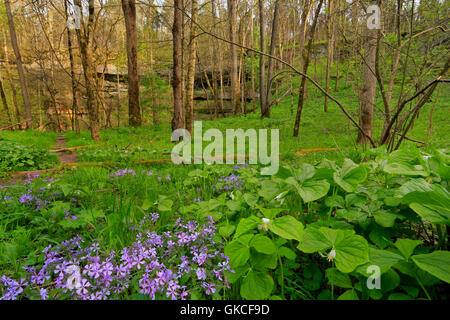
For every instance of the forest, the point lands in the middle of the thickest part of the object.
(314, 137)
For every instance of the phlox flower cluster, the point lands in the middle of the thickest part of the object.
(166, 265)
(230, 183)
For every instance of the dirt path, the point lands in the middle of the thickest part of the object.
(64, 156)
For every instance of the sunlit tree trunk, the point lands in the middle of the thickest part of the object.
(177, 120)
(23, 86)
(134, 109)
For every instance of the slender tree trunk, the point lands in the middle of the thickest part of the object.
(85, 40)
(252, 57)
(75, 122)
(273, 44)
(369, 86)
(306, 56)
(191, 68)
(134, 109)
(177, 120)
(330, 47)
(4, 101)
(11, 82)
(214, 59)
(262, 59)
(23, 86)
(235, 89)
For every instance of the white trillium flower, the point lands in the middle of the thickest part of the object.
(331, 255)
(264, 224)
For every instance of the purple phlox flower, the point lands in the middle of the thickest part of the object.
(43, 293)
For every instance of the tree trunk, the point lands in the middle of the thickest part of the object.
(177, 120)
(262, 59)
(306, 56)
(75, 122)
(191, 68)
(330, 47)
(235, 89)
(10, 80)
(134, 109)
(85, 39)
(273, 44)
(23, 86)
(369, 86)
(4, 102)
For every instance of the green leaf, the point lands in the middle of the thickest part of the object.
(404, 169)
(399, 296)
(238, 251)
(351, 250)
(263, 244)
(432, 213)
(349, 295)
(337, 278)
(389, 281)
(269, 190)
(382, 258)
(384, 218)
(262, 261)
(146, 204)
(226, 230)
(287, 227)
(246, 224)
(251, 199)
(165, 205)
(350, 176)
(287, 253)
(256, 286)
(312, 190)
(407, 246)
(436, 263)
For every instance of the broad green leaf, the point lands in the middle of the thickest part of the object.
(287, 227)
(312, 190)
(382, 258)
(399, 296)
(237, 274)
(351, 250)
(407, 246)
(261, 261)
(287, 253)
(337, 278)
(256, 286)
(246, 224)
(436, 263)
(146, 204)
(404, 169)
(269, 190)
(349, 295)
(389, 281)
(263, 244)
(226, 230)
(384, 218)
(165, 205)
(350, 176)
(432, 213)
(238, 251)
(251, 199)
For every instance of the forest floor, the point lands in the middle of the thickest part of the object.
(113, 190)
